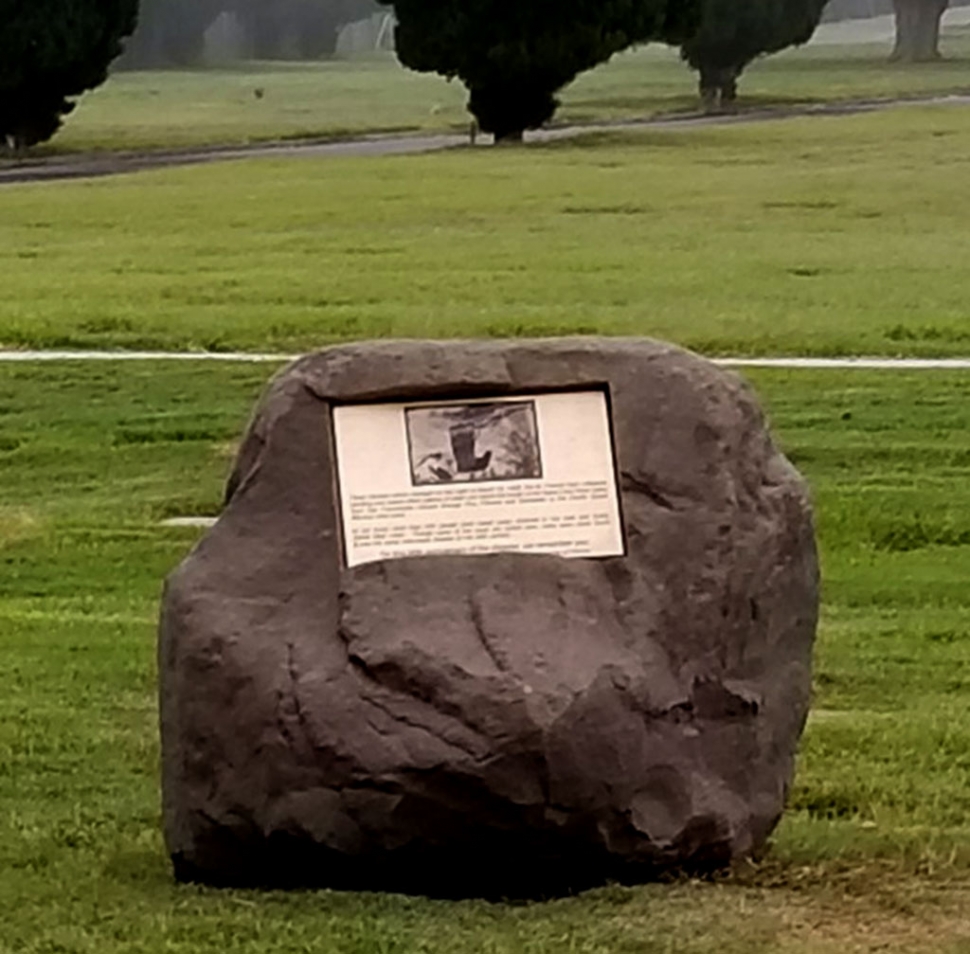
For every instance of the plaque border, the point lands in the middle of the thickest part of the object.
(459, 394)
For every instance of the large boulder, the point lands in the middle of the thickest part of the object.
(501, 725)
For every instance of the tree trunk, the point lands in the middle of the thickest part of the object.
(918, 30)
(718, 89)
(729, 92)
(710, 99)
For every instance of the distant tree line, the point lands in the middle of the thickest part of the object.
(172, 32)
(512, 55)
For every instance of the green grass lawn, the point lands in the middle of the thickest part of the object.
(874, 854)
(825, 236)
(339, 98)
(834, 236)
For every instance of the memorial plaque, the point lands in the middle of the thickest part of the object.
(529, 473)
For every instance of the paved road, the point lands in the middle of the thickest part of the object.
(876, 29)
(109, 164)
(794, 361)
(89, 166)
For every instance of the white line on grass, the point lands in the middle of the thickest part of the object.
(189, 522)
(885, 364)
(28, 356)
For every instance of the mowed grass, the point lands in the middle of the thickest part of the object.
(834, 236)
(375, 94)
(873, 855)
(824, 236)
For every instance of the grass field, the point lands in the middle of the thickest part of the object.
(165, 109)
(874, 855)
(827, 236)
(834, 236)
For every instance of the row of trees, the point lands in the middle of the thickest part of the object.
(513, 57)
(513, 61)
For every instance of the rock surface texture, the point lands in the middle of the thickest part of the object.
(506, 725)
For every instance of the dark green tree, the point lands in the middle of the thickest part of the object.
(732, 33)
(514, 55)
(50, 51)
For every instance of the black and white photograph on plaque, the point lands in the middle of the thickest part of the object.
(457, 443)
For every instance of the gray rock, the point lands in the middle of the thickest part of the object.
(506, 725)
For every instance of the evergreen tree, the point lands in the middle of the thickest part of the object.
(514, 55)
(732, 33)
(51, 50)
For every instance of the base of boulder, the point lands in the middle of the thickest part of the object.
(493, 871)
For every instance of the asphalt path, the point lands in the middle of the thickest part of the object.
(876, 29)
(92, 165)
